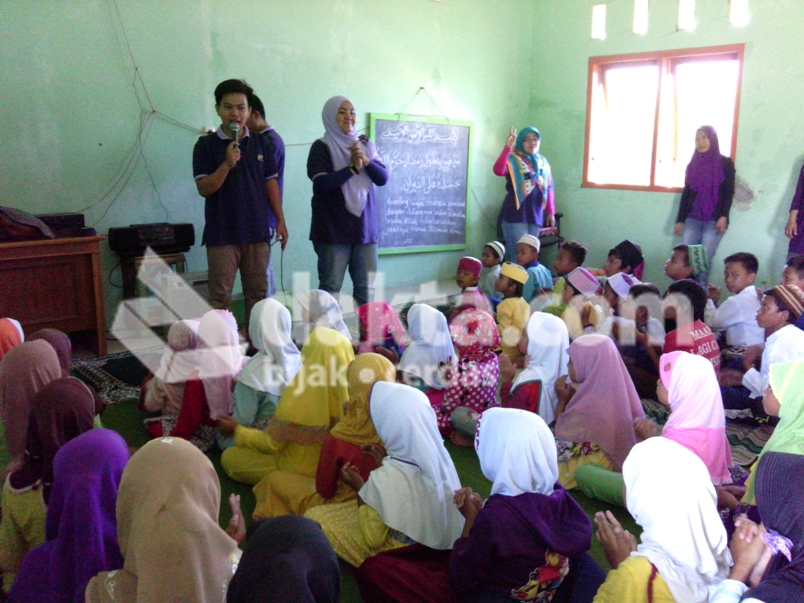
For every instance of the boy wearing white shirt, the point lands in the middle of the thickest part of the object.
(737, 316)
(781, 307)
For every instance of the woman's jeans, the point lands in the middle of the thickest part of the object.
(697, 232)
(361, 261)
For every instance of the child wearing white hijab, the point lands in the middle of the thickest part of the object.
(530, 533)
(431, 350)
(684, 551)
(408, 499)
(266, 375)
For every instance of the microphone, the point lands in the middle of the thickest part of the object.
(235, 128)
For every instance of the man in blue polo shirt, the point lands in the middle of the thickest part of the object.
(257, 124)
(237, 175)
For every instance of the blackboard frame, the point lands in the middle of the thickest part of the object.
(374, 118)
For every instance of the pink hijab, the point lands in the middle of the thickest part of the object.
(604, 407)
(697, 420)
(220, 360)
(381, 322)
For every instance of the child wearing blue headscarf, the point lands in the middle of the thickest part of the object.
(529, 201)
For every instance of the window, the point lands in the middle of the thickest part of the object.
(643, 111)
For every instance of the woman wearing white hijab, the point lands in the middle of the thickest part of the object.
(684, 551)
(266, 375)
(344, 168)
(409, 498)
(431, 349)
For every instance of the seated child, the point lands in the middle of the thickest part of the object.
(770, 562)
(642, 338)
(625, 257)
(683, 307)
(683, 551)
(467, 278)
(286, 560)
(687, 261)
(348, 442)
(317, 308)
(492, 258)
(527, 256)
(546, 342)
(784, 398)
(570, 256)
(409, 499)
(595, 423)
(616, 288)
(677, 266)
(165, 391)
(737, 316)
(530, 535)
(425, 359)
(578, 308)
(81, 521)
(474, 379)
(381, 331)
(781, 307)
(208, 393)
(266, 375)
(60, 411)
(793, 274)
(513, 311)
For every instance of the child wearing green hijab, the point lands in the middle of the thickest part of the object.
(785, 399)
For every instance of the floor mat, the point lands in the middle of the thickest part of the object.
(746, 440)
(116, 377)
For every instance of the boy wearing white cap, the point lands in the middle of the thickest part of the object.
(527, 256)
(493, 254)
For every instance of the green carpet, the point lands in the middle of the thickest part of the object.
(127, 420)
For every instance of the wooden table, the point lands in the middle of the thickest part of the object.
(55, 283)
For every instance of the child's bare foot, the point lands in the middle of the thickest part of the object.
(461, 440)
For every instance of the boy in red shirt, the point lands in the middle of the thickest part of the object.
(684, 303)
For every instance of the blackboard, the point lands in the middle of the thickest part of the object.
(423, 205)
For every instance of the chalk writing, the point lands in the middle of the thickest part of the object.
(424, 202)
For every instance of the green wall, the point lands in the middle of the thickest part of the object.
(770, 130)
(73, 118)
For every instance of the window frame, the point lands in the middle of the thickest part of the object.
(666, 60)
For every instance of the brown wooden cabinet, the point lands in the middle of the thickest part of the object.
(55, 283)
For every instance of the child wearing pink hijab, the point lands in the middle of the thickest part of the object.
(595, 423)
(381, 331)
(689, 386)
(474, 379)
(208, 393)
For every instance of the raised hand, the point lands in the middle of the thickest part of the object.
(618, 544)
(511, 138)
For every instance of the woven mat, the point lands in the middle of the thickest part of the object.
(746, 441)
(116, 377)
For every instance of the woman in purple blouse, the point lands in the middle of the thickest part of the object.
(703, 214)
(344, 168)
